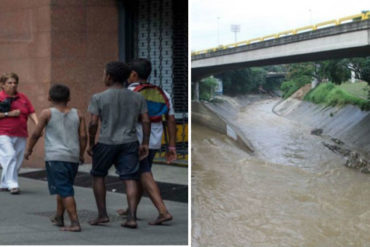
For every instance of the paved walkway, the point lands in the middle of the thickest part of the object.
(24, 218)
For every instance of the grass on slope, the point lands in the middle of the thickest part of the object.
(359, 89)
(333, 95)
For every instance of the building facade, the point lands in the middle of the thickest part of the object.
(70, 41)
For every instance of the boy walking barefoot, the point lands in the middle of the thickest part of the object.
(140, 71)
(117, 110)
(65, 144)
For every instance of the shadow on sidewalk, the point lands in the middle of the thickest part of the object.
(169, 191)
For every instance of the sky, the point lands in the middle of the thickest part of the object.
(211, 20)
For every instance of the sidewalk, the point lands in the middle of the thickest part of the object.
(25, 218)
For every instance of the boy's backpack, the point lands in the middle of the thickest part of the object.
(157, 101)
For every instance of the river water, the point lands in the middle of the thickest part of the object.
(292, 191)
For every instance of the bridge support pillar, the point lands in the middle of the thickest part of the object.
(196, 91)
(314, 83)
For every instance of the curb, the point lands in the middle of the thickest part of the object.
(178, 163)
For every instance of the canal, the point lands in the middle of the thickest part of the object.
(292, 191)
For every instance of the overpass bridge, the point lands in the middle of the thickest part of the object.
(343, 38)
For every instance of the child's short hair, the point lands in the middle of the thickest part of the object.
(59, 93)
(118, 71)
(142, 67)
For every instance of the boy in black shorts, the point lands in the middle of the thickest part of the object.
(118, 110)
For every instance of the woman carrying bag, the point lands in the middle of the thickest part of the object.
(15, 109)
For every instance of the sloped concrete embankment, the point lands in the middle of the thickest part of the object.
(220, 121)
(348, 123)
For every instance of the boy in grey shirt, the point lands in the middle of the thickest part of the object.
(65, 144)
(118, 110)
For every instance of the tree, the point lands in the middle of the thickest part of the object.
(300, 69)
(290, 86)
(206, 88)
(365, 70)
(299, 74)
(356, 64)
(337, 71)
(258, 75)
(238, 82)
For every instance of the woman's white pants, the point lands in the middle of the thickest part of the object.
(11, 158)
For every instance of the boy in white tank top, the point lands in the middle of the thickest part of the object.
(65, 144)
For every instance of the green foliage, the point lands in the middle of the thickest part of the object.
(365, 71)
(330, 94)
(299, 74)
(361, 67)
(272, 84)
(288, 88)
(336, 70)
(291, 86)
(241, 81)
(244, 81)
(359, 89)
(356, 64)
(339, 97)
(318, 95)
(258, 75)
(206, 88)
(298, 70)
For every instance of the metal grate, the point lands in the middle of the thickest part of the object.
(180, 56)
(155, 40)
(158, 31)
(180, 72)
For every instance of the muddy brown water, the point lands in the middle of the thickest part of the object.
(291, 192)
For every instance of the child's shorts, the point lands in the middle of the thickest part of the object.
(147, 162)
(125, 157)
(61, 176)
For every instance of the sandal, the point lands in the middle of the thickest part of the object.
(14, 191)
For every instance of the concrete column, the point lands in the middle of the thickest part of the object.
(314, 83)
(196, 91)
(353, 76)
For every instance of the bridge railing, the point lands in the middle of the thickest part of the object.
(358, 17)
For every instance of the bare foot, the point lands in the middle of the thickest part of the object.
(161, 218)
(98, 221)
(130, 224)
(71, 228)
(57, 220)
(122, 212)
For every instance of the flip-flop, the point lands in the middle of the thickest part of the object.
(161, 219)
(132, 226)
(14, 191)
(69, 229)
(97, 222)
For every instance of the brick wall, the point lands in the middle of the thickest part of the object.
(57, 41)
